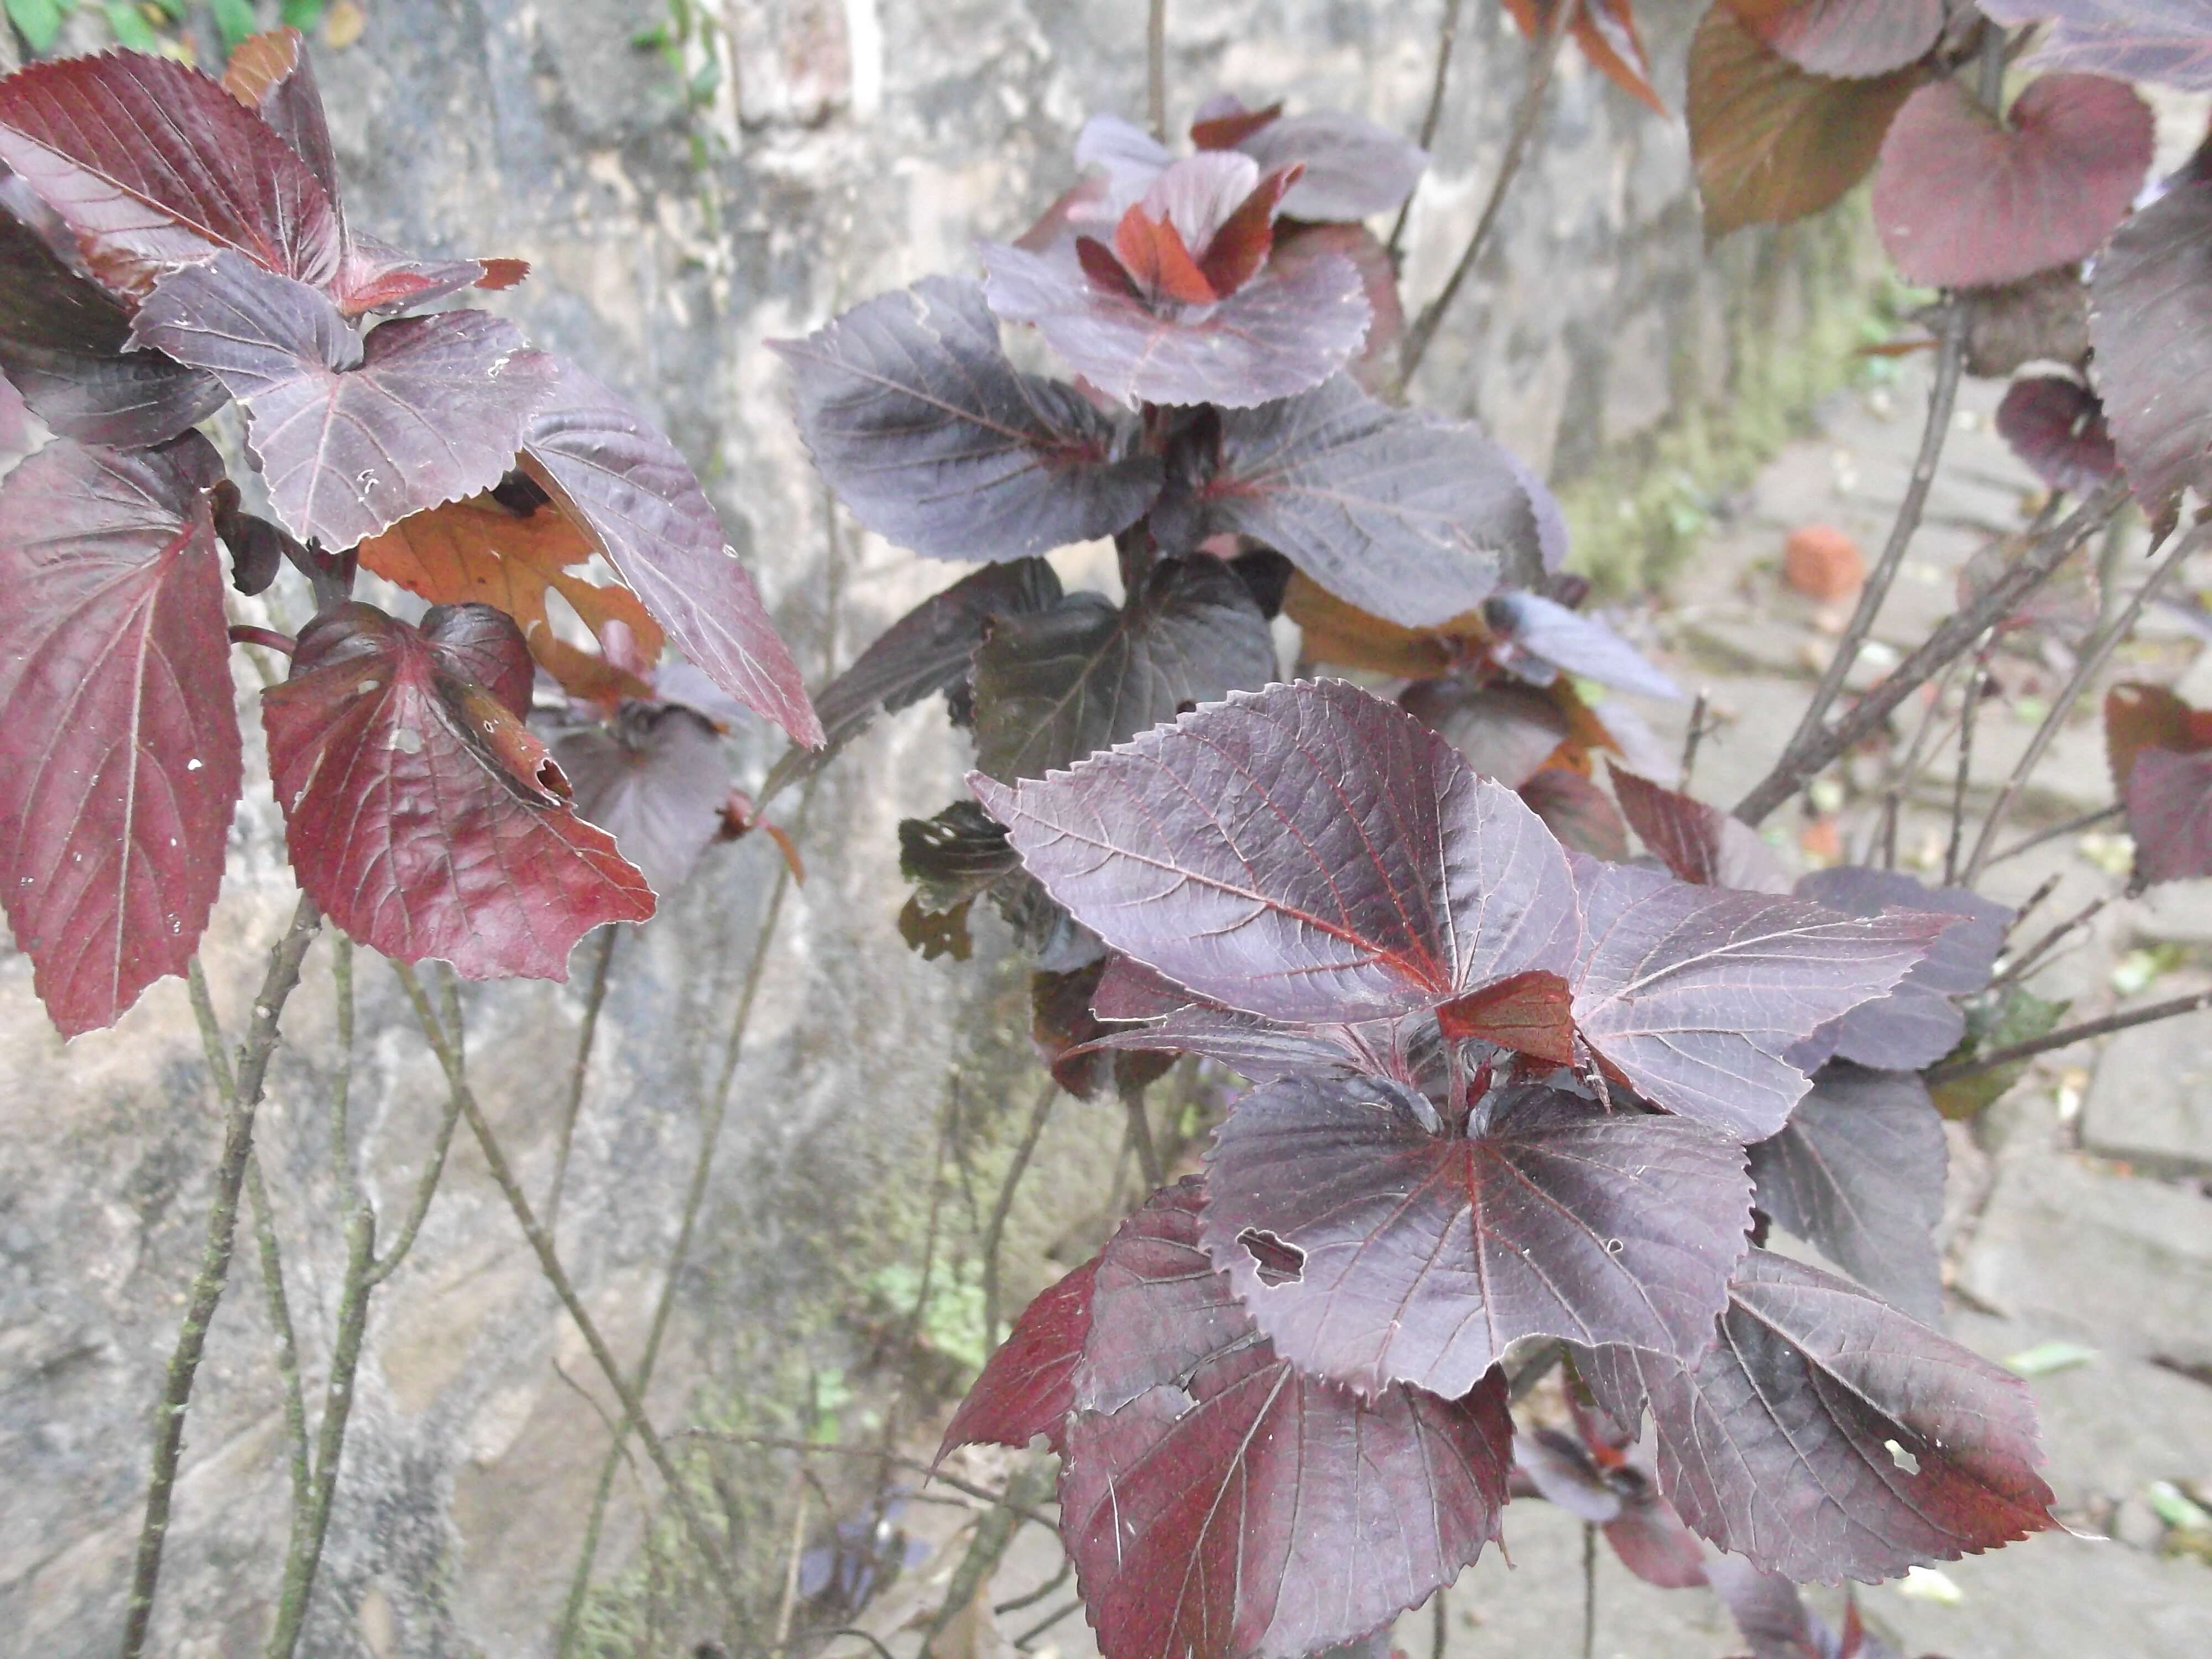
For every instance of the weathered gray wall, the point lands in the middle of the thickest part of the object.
(853, 145)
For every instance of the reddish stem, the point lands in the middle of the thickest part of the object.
(245, 633)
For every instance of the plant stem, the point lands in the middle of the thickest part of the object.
(594, 998)
(1439, 1623)
(2088, 820)
(548, 1263)
(1957, 632)
(280, 1325)
(1975, 682)
(426, 1189)
(2091, 663)
(1140, 1138)
(244, 1093)
(1447, 37)
(1544, 53)
(873, 1454)
(1589, 1590)
(1156, 68)
(994, 1229)
(2070, 1036)
(1942, 399)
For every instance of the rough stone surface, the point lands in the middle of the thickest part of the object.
(2151, 1102)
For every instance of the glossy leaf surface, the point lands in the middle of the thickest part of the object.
(1309, 853)
(272, 75)
(1963, 199)
(938, 443)
(120, 763)
(421, 816)
(1917, 1024)
(608, 468)
(1778, 1445)
(1421, 1256)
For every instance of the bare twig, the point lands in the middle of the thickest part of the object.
(2030, 959)
(1447, 37)
(548, 1263)
(1140, 1138)
(1544, 52)
(994, 1229)
(1942, 399)
(1692, 740)
(1957, 632)
(426, 1189)
(1032, 1485)
(1021, 1642)
(873, 1454)
(788, 1602)
(243, 1089)
(2090, 664)
(1030, 1598)
(2068, 1036)
(1589, 1590)
(1975, 684)
(280, 1326)
(1156, 68)
(594, 998)
(2088, 820)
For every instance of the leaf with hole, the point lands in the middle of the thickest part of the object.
(422, 815)
(121, 761)
(1307, 853)
(936, 441)
(1963, 198)
(1771, 142)
(1053, 686)
(1827, 1435)
(1393, 1253)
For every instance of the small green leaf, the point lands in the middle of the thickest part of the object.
(234, 21)
(302, 15)
(2177, 1508)
(2045, 1358)
(131, 27)
(655, 37)
(38, 21)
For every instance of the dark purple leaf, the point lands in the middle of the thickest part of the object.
(656, 779)
(1354, 169)
(1420, 1257)
(610, 472)
(1849, 38)
(422, 815)
(938, 443)
(1260, 1049)
(63, 343)
(1053, 686)
(2150, 321)
(1299, 245)
(1219, 1505)
(1563, 1473)
(121, 765)
(1650, 1540)
(928, 650)
(353, 437)
(1963, 199)
(954, 856)
(1695, 994)
(1309, 853)
(1769, 1612)
(2169, 802)
(1069, 1038)
(1278, 334)
(1581, 645)
(1858, 1170)
(1699, 842)
(1411, 518)
(1027, 1386)
(2165, 40)
(1830, 1437)
(272, 75)
(2057, 426)
(1918, 1023)
(1505, 731)
(155, 166)
(1576, 811)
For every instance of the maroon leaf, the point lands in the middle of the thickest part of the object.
(1858, 1170)
(63, 340)
(155, 166)
(1219, 1505)
(422, 815)
(1223, 122)
(1280, 334)
(2169, 802)
(1852, 38)
(1917, 1024)
(2163, 41)
(937, 443)
(1053, 686)
(352, 437)
(1581, 645)
(1299, 245)
(1577, 812)
(1066, 1036)
(928, 650)
(2057, 426)
(2150, 322)
(1699, 842)
(1420, 1257)
(656, 779)
(1309, 853)
(1963, 199)
(1413, 518)
(1027, 1386)
(121, 760)
(1695, 994)
(607, 466)
(381, 278)
(272, 75)
(1606, 32)
(1828, 1435)
(1505, 731)
(1531, 1013)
